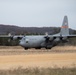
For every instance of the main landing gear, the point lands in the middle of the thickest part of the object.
(26, 48)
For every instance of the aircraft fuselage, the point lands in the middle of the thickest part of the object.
(32, 41)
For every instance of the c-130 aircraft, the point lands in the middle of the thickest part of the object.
(45, 41)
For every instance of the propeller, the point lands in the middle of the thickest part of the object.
(63, 38)
(47, 37)
(14, 37)
(55, 38)
(10, 37)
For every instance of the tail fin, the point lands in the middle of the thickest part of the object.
(65, 28)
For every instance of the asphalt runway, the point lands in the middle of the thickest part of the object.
(14, 57)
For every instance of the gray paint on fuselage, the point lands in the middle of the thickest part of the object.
(32, 41)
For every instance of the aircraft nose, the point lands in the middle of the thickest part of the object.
(21, 43)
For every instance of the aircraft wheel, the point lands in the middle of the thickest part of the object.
(26, 48)
(38, 48)
(48, 47)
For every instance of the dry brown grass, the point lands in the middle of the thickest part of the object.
(13, 57)
(10, 47)
(64, 48)
(39, 71)
(38, 60)
(18, 50)
(54, 48)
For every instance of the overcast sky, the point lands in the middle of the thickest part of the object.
(37, 13)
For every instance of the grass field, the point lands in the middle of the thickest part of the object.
(38, 60)
(18, 50)
(60, 60)
(41, 71)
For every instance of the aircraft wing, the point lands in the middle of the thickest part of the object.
(70, 36)
(13, 37)
(58, 37)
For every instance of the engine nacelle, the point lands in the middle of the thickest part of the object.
(57, 40)
(64, 38)
(51, 38)
(60, 39)
(16, 37)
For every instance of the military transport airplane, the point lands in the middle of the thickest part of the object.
(45, 41)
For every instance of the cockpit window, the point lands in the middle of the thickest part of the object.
(23, 38)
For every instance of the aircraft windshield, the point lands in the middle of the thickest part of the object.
(23, 38)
